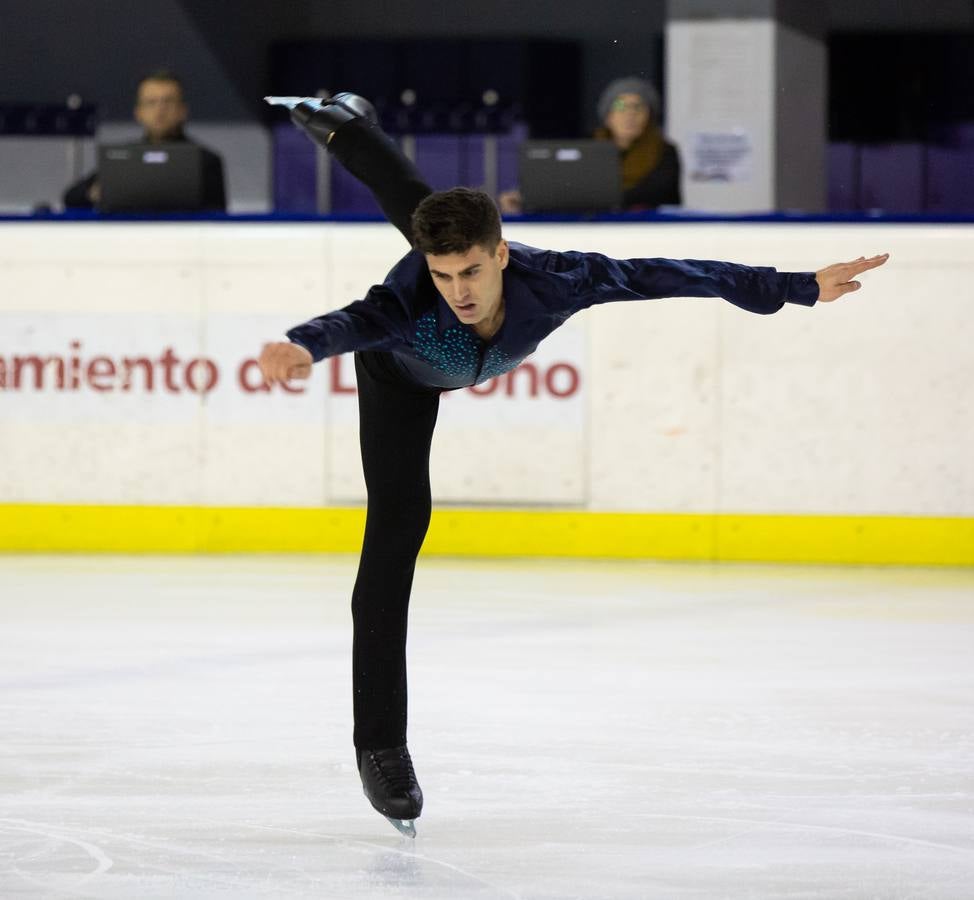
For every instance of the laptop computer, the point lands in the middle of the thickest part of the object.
(150, 177)
(570, 176)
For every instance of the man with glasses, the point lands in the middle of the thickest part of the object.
(161, 110)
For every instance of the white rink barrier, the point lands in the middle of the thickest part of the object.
(127, 376)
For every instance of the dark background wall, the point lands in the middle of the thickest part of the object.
(98, 48)
(50, 48)
(103, 46)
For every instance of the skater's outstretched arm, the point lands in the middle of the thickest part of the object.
(379, 322)
(591, 278)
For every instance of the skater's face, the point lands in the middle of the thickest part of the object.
(160, 108)
(472, 283)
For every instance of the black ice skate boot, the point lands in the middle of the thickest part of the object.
(390, 784)
(320, 119)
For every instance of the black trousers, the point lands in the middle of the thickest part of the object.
(396, 421)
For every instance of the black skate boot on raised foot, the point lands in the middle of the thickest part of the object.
(390, 784)
(320, 119)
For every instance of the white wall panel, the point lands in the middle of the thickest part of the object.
(654, 406)
(859, 407)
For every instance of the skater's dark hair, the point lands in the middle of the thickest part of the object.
(162, 75)
(454, 221)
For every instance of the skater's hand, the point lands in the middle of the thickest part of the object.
(281, 362)
(836, 280)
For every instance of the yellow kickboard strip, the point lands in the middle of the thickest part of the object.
(858, 540)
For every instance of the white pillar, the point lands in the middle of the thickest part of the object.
(746, 103)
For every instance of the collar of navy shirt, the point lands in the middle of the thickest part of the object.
(520, 303)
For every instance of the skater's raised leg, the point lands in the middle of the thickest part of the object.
(346, 125)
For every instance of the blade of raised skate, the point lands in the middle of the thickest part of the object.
(403, 826)
(291, 102)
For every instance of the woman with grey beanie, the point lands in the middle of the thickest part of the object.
(629, 110)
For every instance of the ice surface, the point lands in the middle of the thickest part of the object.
(181, 728)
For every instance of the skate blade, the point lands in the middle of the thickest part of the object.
(291, 102)
(403, 826)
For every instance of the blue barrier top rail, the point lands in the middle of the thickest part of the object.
(667, 218)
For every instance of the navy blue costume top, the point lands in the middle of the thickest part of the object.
(407, 317)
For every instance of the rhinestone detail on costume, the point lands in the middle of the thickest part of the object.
(496, 362)
(457, 352)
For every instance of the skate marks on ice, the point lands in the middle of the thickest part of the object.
(753, 826)
(137, 860)
(778, 852)
(50, 846)
(401, 866)
(781, 731)
(161, 863)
